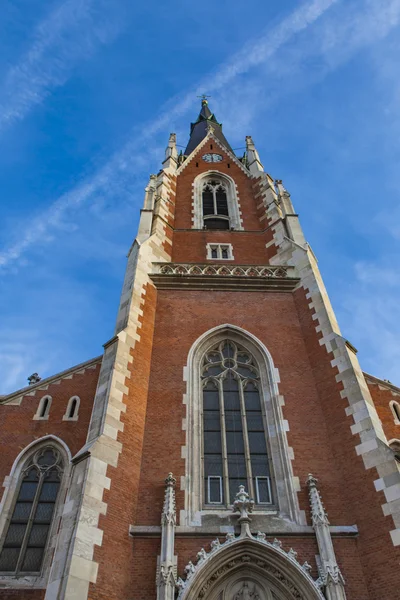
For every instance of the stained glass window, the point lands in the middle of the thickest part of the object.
(26, 537)
(234, 437)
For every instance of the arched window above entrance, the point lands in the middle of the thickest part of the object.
(234, 427)
(235, 431)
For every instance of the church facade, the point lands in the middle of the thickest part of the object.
(227, 444)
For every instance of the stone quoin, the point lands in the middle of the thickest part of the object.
(227, 444)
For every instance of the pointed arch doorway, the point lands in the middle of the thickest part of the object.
(249, 569)
(247, 585)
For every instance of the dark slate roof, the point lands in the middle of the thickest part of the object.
(200, 128)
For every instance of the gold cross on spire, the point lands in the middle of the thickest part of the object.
(204, 98)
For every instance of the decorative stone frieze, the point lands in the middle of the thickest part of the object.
(228, 277)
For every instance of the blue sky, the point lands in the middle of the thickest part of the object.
(91, 89)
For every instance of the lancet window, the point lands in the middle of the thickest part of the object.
(32, 515)
(235, 449)
(215, 204)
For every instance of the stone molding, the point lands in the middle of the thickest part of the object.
(254, 553)
(223, 276)
(267, 558)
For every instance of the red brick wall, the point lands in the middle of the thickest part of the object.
(115, 556)
(382, 398)
(248, 247)
(18, 429)
(181, 317)
(378, 556)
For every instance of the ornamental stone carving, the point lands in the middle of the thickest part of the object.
(330, 577)
(166, 580)
(243, 504)
(245, 593)
(224, 270)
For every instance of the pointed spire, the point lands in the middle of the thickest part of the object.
(253, 160)
(206, 121)
(330, 575)
(171, 154)
(167, 562)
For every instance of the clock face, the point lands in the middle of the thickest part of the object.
(212, 157)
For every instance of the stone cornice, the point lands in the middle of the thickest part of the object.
(228, 277)
(301, 531)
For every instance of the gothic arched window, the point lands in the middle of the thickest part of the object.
(71, 414)
(234, 429)
(215, 204)
(31, 518)
(396, 411)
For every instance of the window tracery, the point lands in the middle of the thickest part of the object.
(27, 532)
(234, 438)
(215, 204)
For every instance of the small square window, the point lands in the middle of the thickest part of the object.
(219, 251)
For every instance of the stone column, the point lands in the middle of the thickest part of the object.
(330, 575)
(167, 562)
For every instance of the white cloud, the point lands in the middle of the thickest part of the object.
(69, 34)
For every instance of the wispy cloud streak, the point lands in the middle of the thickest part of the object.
(250, 56)
(69, 34)
(334, 43)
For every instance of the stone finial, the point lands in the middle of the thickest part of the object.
(34, 378)
(244, 504)
(329, 573)
(167, 561)
(171, 153)
(318, 514)
(169, 509)
(253, 160)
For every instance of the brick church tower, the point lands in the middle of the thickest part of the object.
(199, 456)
